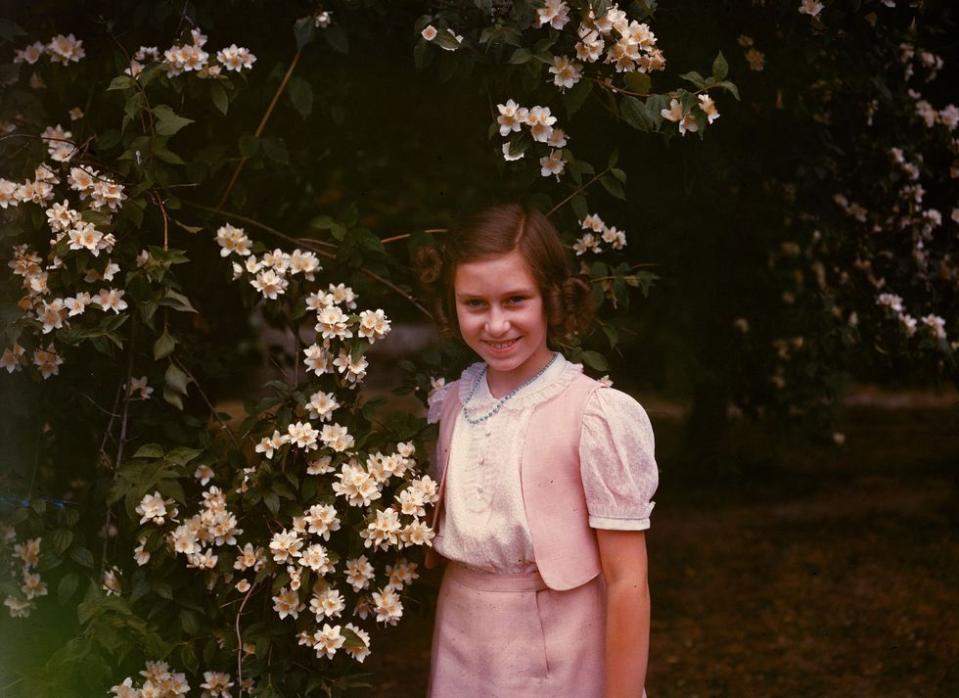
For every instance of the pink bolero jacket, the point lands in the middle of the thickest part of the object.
(564, 545)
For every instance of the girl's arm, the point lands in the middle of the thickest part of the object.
(623, 557)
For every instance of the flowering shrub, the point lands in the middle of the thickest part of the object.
(261, 553)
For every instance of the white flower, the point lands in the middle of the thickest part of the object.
(287, 603)
(47, 361)
(615, 238)
(936, 325)
(12, 358)
(317, 359)
(322, 520)
(320, 466)
(359, 653)
(332, 323)
(511, 117)
(708, 106)
(52, 315)
(552, 164)
(343, 294)
(356, 485)
(232, 240)
(387, 605)
(417, 533)
(565, 72)
(401, 574)
(429, 32)
(383, 531)
(540, 121)
(140, 554)
(328, 603)
(557, 138)
(269, 284)
(152, 508)
(65, 49)
(203, 473)
(269, 444)
(319, 300)
(359, 573)
(458, 38)
(184, 539)
(111, 582)
(316, 558)
(322, 405)
(336, 437)
(85, 236)
(8, 193)
(588, 242)
(811, 8)
(216, 684)
(590, 47)
(605, 381)
(111, 299)
(303, 435)
(285, 546)
(553, 12)
(139, 385)
(354, 369)
(29, 54)
(236, 58)
(373, 325)
(328, 640)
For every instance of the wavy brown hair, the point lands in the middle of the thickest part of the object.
(499, 230)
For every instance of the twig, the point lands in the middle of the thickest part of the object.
(239, 642)
(122, 440)
(404, 236)
(316, 246)
(575, 192)
(207, 401)
(259, 129)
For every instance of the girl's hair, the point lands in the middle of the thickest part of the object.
(495, 231)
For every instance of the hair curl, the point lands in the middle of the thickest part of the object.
(499, 230)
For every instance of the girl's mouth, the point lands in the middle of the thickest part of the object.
(502, 346)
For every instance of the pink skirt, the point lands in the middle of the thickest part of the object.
(506, 635)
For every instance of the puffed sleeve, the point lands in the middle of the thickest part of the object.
(617, 461)
(434, 402)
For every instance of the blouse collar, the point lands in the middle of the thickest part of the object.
(554, 380)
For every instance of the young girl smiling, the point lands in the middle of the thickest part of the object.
(545, 480)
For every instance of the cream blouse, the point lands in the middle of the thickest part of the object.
(483, 523)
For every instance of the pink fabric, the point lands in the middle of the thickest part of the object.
(563, 543)
(510, 636)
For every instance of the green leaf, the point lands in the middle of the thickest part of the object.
(81, 556)
(729, 87)
(336, 38)
(618, 174)
(218, 95)
(272, 501)
(575, 97)
(639, 82)
(168, 156)
(168, 121)
(67, 587)
(275, 149)
(172, 397)
(720, 67)
(177, 301)
(523, 55)
(182, 455)
(61, 539)
(595, 360)
(164, 346)
(301, 95)
(695, 78)
(121, 82)
(303, 31)
(613, 186)
(189, 623)
(176, 379)
(633, 112)
(578, 203)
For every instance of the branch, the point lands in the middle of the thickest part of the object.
(575, 192)
(239, 642)
(207, 401)
(259, 129)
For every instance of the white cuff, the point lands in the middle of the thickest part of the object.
(614, 524)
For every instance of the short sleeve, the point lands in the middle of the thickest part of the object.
(434, 403)
(617, 462)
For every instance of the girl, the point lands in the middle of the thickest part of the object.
(545, 480)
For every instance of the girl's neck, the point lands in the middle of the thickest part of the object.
(500, 383)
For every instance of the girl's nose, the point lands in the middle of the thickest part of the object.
(497, 323)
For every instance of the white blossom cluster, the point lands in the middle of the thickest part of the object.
(61, 49)
(198, 536)
(926, 61)
(160, 682)
(191, 57)
(934, 325)
(630, 46)
(512, 117)
(23, 563)
(597, 234)
(44, 310)
(686, 118)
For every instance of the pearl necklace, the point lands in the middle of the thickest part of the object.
(502, 401)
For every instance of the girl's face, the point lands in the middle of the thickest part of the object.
(502, 316)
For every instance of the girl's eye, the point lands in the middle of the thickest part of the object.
(517, 299)
(473, 303)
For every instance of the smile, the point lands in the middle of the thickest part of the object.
(502, 345)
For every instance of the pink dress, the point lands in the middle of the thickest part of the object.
(499, 631)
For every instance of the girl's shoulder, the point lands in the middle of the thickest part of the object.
(442, 389)
(610, 410)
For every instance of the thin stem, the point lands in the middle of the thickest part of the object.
(404, 236)
(207, 401)
(575, 192)
(239, 641)
(316, 246)
(259, 129)
(124, 421)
